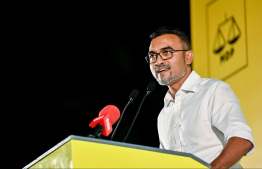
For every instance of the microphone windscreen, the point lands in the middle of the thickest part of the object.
(134, 94)
(151, 86)
(113, 111)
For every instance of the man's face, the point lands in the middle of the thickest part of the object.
(168, 71)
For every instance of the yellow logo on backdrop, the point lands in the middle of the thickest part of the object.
(226, 33)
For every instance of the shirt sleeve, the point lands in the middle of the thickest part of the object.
(227, 115)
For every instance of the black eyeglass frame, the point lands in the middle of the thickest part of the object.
(172, 51)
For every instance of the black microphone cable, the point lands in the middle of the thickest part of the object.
(132, 96)
(151, 86)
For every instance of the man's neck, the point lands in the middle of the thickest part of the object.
(176, 85)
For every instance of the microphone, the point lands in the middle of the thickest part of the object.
(132, 96)
(151, 86)
(103, 123)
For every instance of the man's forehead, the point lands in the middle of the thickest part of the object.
(162, 49)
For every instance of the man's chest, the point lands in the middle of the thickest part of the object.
(184, 119)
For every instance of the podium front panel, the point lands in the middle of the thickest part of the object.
(114, 156)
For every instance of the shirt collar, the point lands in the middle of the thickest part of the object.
(191, 82)
(189, 85)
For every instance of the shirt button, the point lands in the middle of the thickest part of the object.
(177, 126)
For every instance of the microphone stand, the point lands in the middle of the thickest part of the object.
(96, 132)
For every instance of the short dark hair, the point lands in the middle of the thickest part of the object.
(176, 31)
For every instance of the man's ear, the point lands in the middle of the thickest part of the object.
(189, 55)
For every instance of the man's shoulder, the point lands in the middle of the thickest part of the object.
(212, 83)
(207, 81)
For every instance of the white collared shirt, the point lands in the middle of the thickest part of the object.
(200, 120)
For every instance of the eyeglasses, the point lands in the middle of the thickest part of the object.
(166, 54)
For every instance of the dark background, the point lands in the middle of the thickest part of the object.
(65, 62)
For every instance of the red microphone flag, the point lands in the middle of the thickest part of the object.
(106, 117)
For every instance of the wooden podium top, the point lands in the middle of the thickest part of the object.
(83, 152)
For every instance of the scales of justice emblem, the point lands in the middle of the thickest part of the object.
(230, 27)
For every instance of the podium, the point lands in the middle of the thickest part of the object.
(84, 152)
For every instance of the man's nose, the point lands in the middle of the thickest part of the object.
(159, 60)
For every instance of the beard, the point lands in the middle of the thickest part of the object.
(171, 78)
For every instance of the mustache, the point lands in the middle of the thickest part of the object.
(162, 65)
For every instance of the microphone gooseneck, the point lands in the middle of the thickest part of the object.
(132, 96)
(151, 86)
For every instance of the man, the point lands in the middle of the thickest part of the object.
(200, 116)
